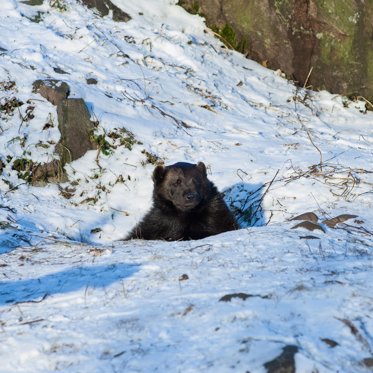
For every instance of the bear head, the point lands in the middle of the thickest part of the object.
(184, 185)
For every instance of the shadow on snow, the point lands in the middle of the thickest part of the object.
(15, 234)
(245, 202)
(73, 279)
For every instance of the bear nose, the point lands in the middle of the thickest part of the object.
(190, 195)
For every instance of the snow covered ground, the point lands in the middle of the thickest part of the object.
(75, 299)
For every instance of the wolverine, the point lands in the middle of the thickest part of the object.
(186, 206)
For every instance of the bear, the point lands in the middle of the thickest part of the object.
(186, 206)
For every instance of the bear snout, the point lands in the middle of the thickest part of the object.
(190, 196)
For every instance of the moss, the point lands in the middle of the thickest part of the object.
(283, 7)
(24, 168)
(228, 35)
(369, 77)
(104, 146)
(150, 158)
(337, 43)
(119, 137)
(250, 19)
(125, 138)
(191, 7)
(195, 8)
(33, 2)
(242, 45)
(344, 51)
(58, 4)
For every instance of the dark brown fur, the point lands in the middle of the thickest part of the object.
(186, 205)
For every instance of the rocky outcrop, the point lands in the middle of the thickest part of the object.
(39, 174)
(323, 44)
(76, 129)
(51, 89)
(73, 119)
(105, 6)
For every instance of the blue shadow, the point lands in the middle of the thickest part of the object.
(70, 280)
(17, 232)
(245, 202)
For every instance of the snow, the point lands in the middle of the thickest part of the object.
(75, 298)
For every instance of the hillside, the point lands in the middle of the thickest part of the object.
(162, 88)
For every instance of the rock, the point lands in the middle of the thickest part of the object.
(331, 38)
(284, 363)
(91, 81)
(242, 296)
(43, 173)
(51, 89)
(39, 174)
(58, 70)
(229, 297)
(367, 362)
(75, 128)
(104, 6)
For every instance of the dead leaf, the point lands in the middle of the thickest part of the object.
(208, 107)
(309, 226)
(367, 362)
(309, 216)
(188, 309)
(331, 223)
(330, 342)
(98, 252)
(355, 331)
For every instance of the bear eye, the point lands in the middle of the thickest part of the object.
(177, 182)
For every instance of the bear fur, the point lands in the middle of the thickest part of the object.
(186, 206)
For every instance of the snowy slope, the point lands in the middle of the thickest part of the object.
(74, 299)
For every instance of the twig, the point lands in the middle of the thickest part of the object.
(266, 191)
(180, 124)
(352, 228)
(366, 101)
(31, 322)
(310, 138)
(224, 40)
(32, 301)
(14, 188)
(10, 209)
(308, 76)
(244, 172)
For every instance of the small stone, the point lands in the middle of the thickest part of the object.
(284, 363)
(91, 81)
(59, 70)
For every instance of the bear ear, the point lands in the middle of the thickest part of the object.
(201, 166)
(159, 173)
